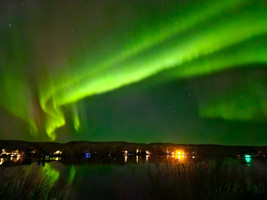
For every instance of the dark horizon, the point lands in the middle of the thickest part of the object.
(166, 143)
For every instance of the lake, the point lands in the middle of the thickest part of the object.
(134, 177)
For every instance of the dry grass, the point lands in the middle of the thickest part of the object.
(205, 181)
(193, 181)
(25, 186)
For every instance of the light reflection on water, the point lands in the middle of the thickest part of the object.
(96, 174)
(125, 159)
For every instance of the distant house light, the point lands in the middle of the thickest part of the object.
(248, 159)
(3, 151)
(87, 155)
(57, 152)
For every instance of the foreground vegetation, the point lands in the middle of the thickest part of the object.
(191, 181)
(206, 181)
(24, 185)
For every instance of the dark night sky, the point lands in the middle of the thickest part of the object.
(184, 71)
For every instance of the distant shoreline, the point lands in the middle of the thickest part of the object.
(141, 143)
(79, 148)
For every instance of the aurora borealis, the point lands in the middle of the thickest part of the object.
(188, 71)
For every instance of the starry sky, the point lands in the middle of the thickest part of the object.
(182, 71)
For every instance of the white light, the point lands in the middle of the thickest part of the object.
(147, 156)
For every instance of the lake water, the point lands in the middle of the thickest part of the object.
(125, 177)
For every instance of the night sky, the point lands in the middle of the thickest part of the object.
(181, 71)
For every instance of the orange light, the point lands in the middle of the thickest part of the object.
(179, 154)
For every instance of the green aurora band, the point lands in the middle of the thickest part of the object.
(200, 39)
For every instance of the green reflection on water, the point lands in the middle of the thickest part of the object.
(72, 173)
(52, 174)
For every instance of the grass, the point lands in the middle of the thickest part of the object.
(186, 181)
(205, 180)
(27, 186)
